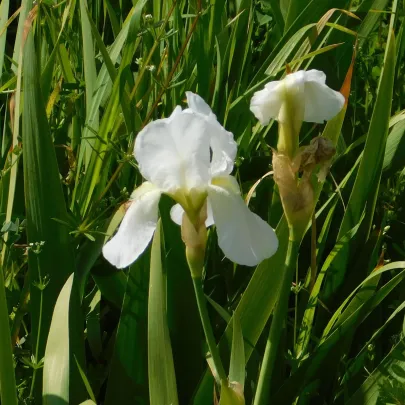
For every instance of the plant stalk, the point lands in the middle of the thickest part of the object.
(209, 335)
(262, 395)
(8, 393)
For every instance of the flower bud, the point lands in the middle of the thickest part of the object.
(296, 194)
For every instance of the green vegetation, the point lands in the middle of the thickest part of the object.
(79, 80)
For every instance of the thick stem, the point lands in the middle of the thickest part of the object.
(279, 316)
(209, 335)
(8, 393)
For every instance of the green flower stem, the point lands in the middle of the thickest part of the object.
(209, 335)
(279, 316)
(8, 393)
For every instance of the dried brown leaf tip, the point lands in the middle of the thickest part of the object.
(319, 152)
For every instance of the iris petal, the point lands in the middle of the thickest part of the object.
(177, 211)
(136, 229)
(242, 235)
(222, 144)
(173, 153)
(305, 92)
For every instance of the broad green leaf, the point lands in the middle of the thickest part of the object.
(128, 378)
(369, 172)
(57, 357)
(44, 201)
(62, 381)
(162, 379)
(237, 362)
(368, 177)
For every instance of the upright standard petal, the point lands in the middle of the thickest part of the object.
(173, 153)
(198, 104)
(136, 229)
(222, 143)
(242, 235)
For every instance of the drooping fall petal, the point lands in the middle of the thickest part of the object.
(301, 93)
(242, 235)
(321, 102)
(136, 229)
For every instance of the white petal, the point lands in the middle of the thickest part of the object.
(222, 143)
(223, 148)
(177, 211)
(176, 214)
(136, 229)
(321, 102)
(314, 75)
(176, 111)
(242, 235)
(210, 216)
(266, 103)
(174, 152)
(197, 104)
(304, 91)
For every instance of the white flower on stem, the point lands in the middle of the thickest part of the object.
(300, 96)
(189, 156)
(303, 93)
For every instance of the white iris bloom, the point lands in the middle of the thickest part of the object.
(310, 98)
(189, 156)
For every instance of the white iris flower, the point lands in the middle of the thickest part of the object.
(189, 156)
(304, 93)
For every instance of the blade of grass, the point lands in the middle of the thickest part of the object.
(89, 66)
(4, 9)
(8, 391)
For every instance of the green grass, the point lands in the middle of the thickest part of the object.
(79, 80)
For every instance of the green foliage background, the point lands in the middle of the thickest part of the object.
(79, 80)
